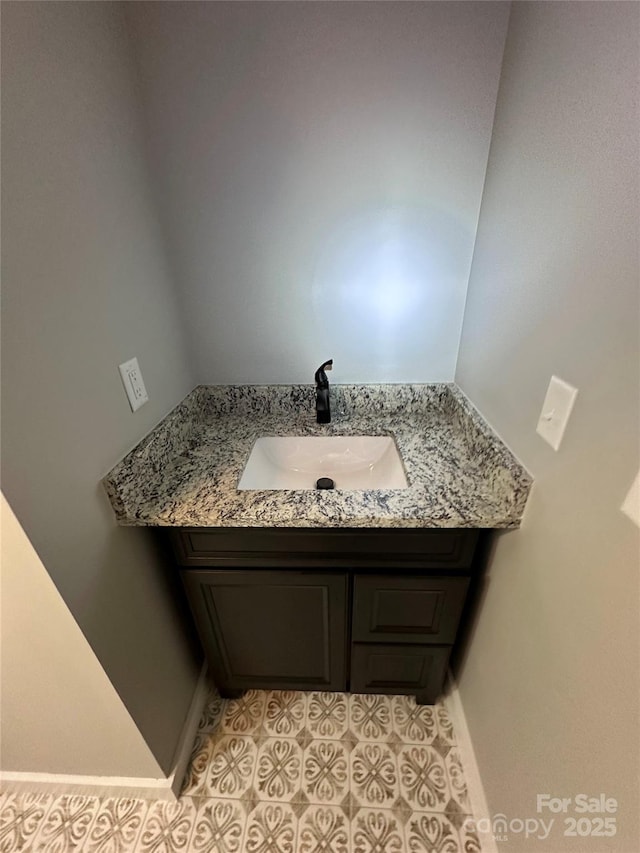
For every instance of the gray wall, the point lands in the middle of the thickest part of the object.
(320, 168)
(85, 286)
(550, 686)
(55, 696)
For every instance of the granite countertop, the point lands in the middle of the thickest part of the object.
(186, 471)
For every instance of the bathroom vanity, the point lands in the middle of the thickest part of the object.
(355, 589)
(370, 611)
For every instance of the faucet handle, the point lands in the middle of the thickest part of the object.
(321, 377)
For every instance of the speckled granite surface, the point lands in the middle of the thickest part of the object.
(186, 471)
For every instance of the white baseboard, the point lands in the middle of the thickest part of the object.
(479, 807)
(95, 786)
(119, 786)
(188, 735)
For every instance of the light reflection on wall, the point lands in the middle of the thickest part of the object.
(389, 285)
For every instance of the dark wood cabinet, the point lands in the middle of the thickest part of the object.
(373, 611)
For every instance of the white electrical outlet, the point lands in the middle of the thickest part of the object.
(556, 409)
(133, 384)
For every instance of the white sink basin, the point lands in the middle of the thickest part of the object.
(297, 462)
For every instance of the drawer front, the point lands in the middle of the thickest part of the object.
(383, 668)
(272, 547)
(406, 609)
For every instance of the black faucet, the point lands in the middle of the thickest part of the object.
(323, 411)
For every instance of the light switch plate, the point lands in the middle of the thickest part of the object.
(133, 384)
(556, 409)
(631, 505)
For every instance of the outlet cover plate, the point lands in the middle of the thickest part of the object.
(133, 383)
(556, 409)
(631, 505)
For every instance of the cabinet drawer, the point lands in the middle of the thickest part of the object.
(362, 548)
(407, 609)
(383, 668)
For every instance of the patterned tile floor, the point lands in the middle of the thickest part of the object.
(280, 772)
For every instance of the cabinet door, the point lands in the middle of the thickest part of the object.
(407, 609)
(269, 629)
(395, 668)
